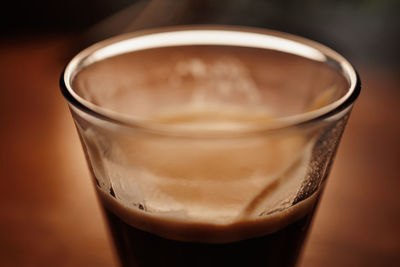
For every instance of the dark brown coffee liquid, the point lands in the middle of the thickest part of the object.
(137, 248)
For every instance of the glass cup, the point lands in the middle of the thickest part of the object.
(209, 146)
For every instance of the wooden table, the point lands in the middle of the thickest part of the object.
(48, 211)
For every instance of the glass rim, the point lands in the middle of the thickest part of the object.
(256, 38)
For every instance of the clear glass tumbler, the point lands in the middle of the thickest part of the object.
(209, 145)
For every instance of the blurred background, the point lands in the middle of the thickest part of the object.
(48, 211)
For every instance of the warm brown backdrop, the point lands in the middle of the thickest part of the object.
(48, 211)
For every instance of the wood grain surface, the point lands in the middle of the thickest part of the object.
(49, 215)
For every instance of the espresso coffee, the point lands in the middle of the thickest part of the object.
(140, 248)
